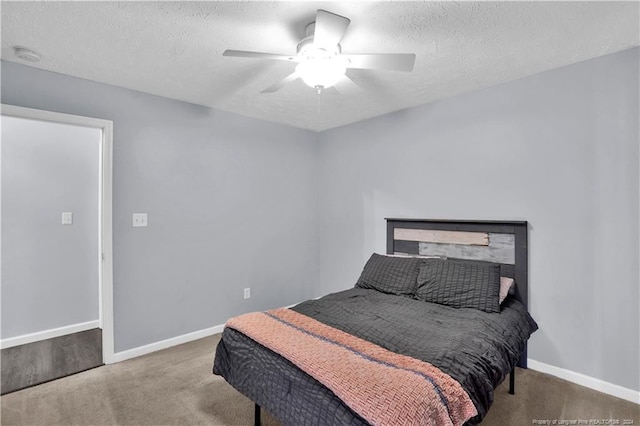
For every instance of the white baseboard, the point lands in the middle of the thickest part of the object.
(164, 344)
(586, 381)
(48, 334)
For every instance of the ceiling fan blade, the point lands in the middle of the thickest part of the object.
(329, 29)
(383, 61)
(257, 55)
(280, 84)
(346, 86)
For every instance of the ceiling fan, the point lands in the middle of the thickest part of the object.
(321, 63)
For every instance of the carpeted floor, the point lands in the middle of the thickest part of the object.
(175, 387)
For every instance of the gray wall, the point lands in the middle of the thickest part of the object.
(559, 149)
(49, 270)
(236, 202)
(231, 203)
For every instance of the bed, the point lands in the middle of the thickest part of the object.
(477, 347)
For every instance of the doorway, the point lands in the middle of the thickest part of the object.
(56, 268)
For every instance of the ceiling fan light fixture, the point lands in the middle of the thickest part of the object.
(320, 60)
(320, 69)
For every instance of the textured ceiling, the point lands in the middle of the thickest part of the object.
(174, 49)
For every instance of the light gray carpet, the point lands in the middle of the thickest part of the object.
(175, 387)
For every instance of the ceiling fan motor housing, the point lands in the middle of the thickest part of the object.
(306, 47)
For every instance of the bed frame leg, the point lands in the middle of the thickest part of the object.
(512, 381)
(256, 415)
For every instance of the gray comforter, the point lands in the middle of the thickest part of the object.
(476, 348)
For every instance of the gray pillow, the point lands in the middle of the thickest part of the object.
(392, 275)
(460, 284)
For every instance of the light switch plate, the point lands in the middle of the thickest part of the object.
(67, 218)
(139, 219)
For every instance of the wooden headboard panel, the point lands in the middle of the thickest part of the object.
(493, 241)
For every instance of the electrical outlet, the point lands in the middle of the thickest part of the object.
(139, 219)
(247, 293)
(67, 218)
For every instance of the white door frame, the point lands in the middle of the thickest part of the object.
(105, 239)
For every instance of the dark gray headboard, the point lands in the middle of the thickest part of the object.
(495, 241)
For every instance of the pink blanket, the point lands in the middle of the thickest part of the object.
(383, 387)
